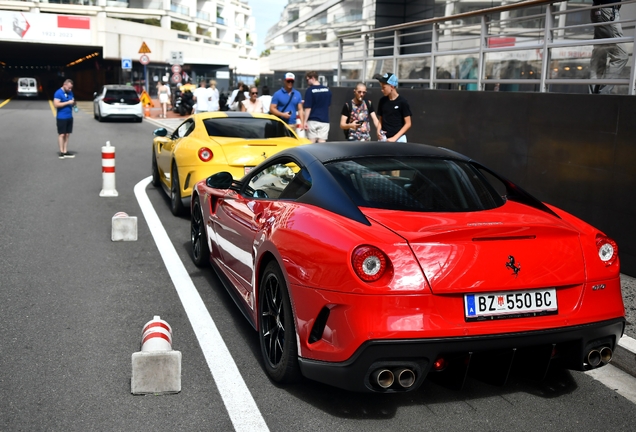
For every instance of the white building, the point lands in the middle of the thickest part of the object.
(210, 37)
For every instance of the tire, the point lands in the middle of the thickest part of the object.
(99, 116)
(156, 180)
(198, 241)
(94, 113)
(176, 206)
(276, 334)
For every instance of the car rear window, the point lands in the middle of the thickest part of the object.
(246, 128)
(27, 82)
(129, 97)
(415, 184)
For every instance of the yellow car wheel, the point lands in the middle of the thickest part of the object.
(176, 206)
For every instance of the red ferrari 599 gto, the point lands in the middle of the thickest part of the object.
(372, 266)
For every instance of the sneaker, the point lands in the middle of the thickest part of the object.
(69, 155)
(61, 156)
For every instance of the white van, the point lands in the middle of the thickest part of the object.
(27, 87)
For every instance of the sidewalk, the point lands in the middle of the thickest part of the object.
(172, 119)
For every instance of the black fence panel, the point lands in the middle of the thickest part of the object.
(575, 151)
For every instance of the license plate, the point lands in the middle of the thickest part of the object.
(512, 304)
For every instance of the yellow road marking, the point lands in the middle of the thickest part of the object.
(5, 102)
(53, 110)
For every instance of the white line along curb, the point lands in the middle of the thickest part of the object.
(237, 398)
(628, 343)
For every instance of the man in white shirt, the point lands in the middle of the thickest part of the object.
(201, 96)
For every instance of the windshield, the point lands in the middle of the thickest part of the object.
(415, 184)
(246, 128)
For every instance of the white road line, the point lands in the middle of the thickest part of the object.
(238, 400)
(623, 383)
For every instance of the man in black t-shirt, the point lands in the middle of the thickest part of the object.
(394, 113)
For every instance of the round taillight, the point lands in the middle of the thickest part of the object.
(205, 154)
(607, 249)
(369, 263)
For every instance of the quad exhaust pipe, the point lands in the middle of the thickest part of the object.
(385, 378)
(599, 357)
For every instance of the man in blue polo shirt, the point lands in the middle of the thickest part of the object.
(287, 103)
(64, 101)
(317, 102)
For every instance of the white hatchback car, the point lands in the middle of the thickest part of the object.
(117, 101)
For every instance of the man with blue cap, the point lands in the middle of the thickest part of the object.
(394, 112)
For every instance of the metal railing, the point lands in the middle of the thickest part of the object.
(534, 45)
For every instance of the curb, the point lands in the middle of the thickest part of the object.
(625, 355)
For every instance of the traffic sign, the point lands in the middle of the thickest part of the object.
(144, 49)
(176, 78)
(144, 59)
(176, 57)
(176, 69)
(126, 64)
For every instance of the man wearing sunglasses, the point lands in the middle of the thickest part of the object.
(355, 115)
(287, 103)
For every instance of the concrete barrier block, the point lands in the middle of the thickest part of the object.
(625, 355)
(124, 228)
(156, 372)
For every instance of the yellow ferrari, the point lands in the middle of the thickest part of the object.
(207, 143)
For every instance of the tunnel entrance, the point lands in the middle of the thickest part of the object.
(51, 64)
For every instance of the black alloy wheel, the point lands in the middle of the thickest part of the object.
(176, 206)
(198, 240)
(277, 334)
(156, 181)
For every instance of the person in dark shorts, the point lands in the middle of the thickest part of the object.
(394, 112)
(64, 101)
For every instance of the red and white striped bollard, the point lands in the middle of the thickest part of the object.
(108, 171)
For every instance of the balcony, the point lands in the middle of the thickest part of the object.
(203, 15)
(183, 10)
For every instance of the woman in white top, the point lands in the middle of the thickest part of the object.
(266, 99)
(164, 97)
(253, 104)
(213, 104)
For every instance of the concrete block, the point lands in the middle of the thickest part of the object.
(124, 228)
(625, 355)
(156, 372)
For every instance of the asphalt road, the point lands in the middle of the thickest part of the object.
(72, 305)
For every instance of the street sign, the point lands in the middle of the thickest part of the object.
(176, 58)
(176, 78)
(176, 69)
(126, 64)
(144, 49)
(144, 59)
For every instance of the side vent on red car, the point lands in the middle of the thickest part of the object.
(319, 325)
(607, 249)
